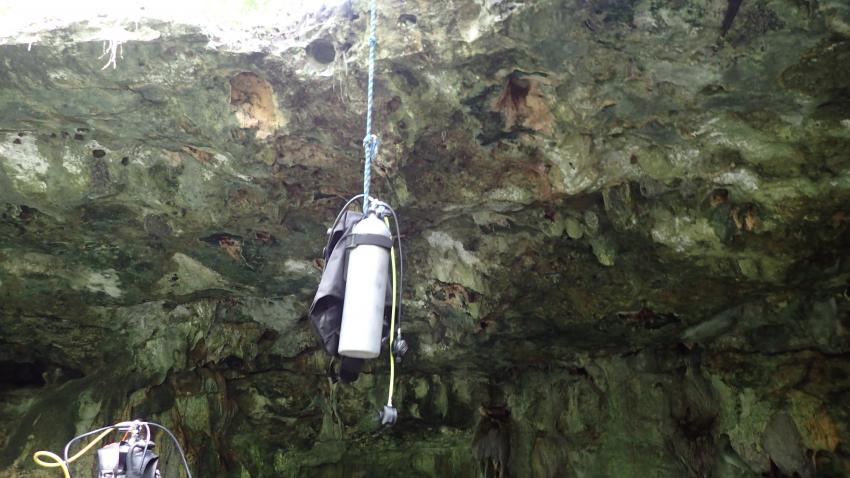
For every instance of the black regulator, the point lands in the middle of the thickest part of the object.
(132, 456)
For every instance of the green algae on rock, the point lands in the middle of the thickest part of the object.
(627, 234)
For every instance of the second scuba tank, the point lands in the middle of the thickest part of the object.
(365, 290)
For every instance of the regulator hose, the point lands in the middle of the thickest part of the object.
(392, 318)
(179, 449)
(338, 217)
(58, 462)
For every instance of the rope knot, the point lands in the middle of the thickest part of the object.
(370, 148)
(370, 145)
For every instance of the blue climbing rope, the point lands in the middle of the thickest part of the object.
(370, 141)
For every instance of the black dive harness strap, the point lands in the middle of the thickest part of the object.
(355, 240)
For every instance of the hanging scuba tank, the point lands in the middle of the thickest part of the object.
(365, 289)
(354, 300)
(327, 308)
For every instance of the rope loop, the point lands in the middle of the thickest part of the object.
(370, 151)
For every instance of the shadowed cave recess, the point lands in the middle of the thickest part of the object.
(626, 228)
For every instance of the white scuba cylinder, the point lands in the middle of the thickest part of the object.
(365, 293)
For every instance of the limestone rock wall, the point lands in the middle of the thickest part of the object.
(625, 228)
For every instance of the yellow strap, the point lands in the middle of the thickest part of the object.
(392, 320)
(59, 462)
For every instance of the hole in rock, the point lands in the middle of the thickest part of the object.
(20, 375)
(523, 105)
(322, 51)
(27, 213)
(407, 19)
(98, 153)
(252, 101)
(394, 104)
(31, 374)
(268, 337)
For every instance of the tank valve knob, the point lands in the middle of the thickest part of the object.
(388, 415)
(400, 348)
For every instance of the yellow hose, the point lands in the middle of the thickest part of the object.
(59, 462)
(392, 319)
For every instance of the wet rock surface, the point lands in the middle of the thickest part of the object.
(626, 232)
